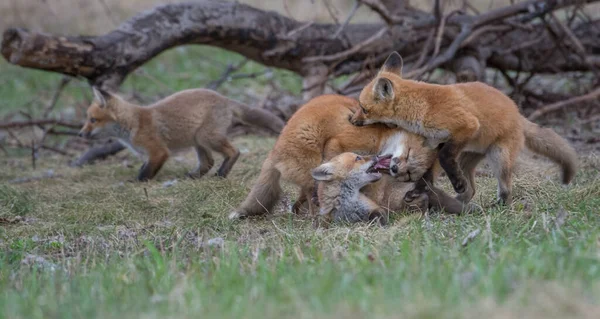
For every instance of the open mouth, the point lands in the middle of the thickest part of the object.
(380, 164)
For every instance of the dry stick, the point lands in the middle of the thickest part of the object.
(562, 104)
(61, 85)
(226, 74)
(579, 48)
(18, 124)
(425, 50)
(448, 54)
(438, 39)
(332, 14)
(477, 33)
(348, 18)
(56, 150)
(591, 120)
(347, 53)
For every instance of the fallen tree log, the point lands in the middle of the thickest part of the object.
(278, 41)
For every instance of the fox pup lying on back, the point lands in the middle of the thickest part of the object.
(197, 118)
(351, 189)
(470, 120)
(339, 193)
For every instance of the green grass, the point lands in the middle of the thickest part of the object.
(110, 251)
(87, 243)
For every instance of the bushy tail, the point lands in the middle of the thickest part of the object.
(265, 192)
(546, 142)
(258, 117)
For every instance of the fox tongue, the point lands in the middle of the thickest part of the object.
(383, 163)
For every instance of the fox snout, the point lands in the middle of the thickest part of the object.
(358, 118)
(85, 133)
(400, 169)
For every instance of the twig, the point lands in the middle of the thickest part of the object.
(562, 104)
(447, 56)
(18, 124)
(482, 30)
(348, 18)
(425, 50)
(226, 74)
(61, 85)
(379, 7)
(330, 9)
(298, 29)
(591, 119)
(440, 33)
(347, 53)
(55, 150)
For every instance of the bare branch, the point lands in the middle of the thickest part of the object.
(347, 53)
(563, 104)
(18, 124)
(348, 18)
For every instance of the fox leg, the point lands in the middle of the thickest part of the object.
(300, 201)
(205, 162)
(230, 154)
(156, 159)
(421, 186)
(448, 156)
(331, 149)
(379, 215)
(468, 163)
(502, 161)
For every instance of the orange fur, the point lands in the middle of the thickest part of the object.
(467, 117)
(341, 180)
(318, 131)
(195, 118)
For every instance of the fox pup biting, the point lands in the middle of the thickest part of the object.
(317, 132)
(197, 118)
(470, 120)
(339, 193)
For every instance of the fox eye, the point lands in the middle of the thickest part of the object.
(358, 158)
(93, 120)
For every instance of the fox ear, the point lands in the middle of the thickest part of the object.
(393, 64)
(101, 96)
(384, 89)
(323, 172)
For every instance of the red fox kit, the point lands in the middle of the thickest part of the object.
(474, 119)
(341, 180)
(197, 118)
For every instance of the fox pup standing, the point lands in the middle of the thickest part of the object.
(473, 118)
(196, 118)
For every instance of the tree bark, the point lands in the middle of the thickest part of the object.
(278, 41)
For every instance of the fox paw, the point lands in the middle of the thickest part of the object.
(410, 196)
(460, 186)
(379, 217)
